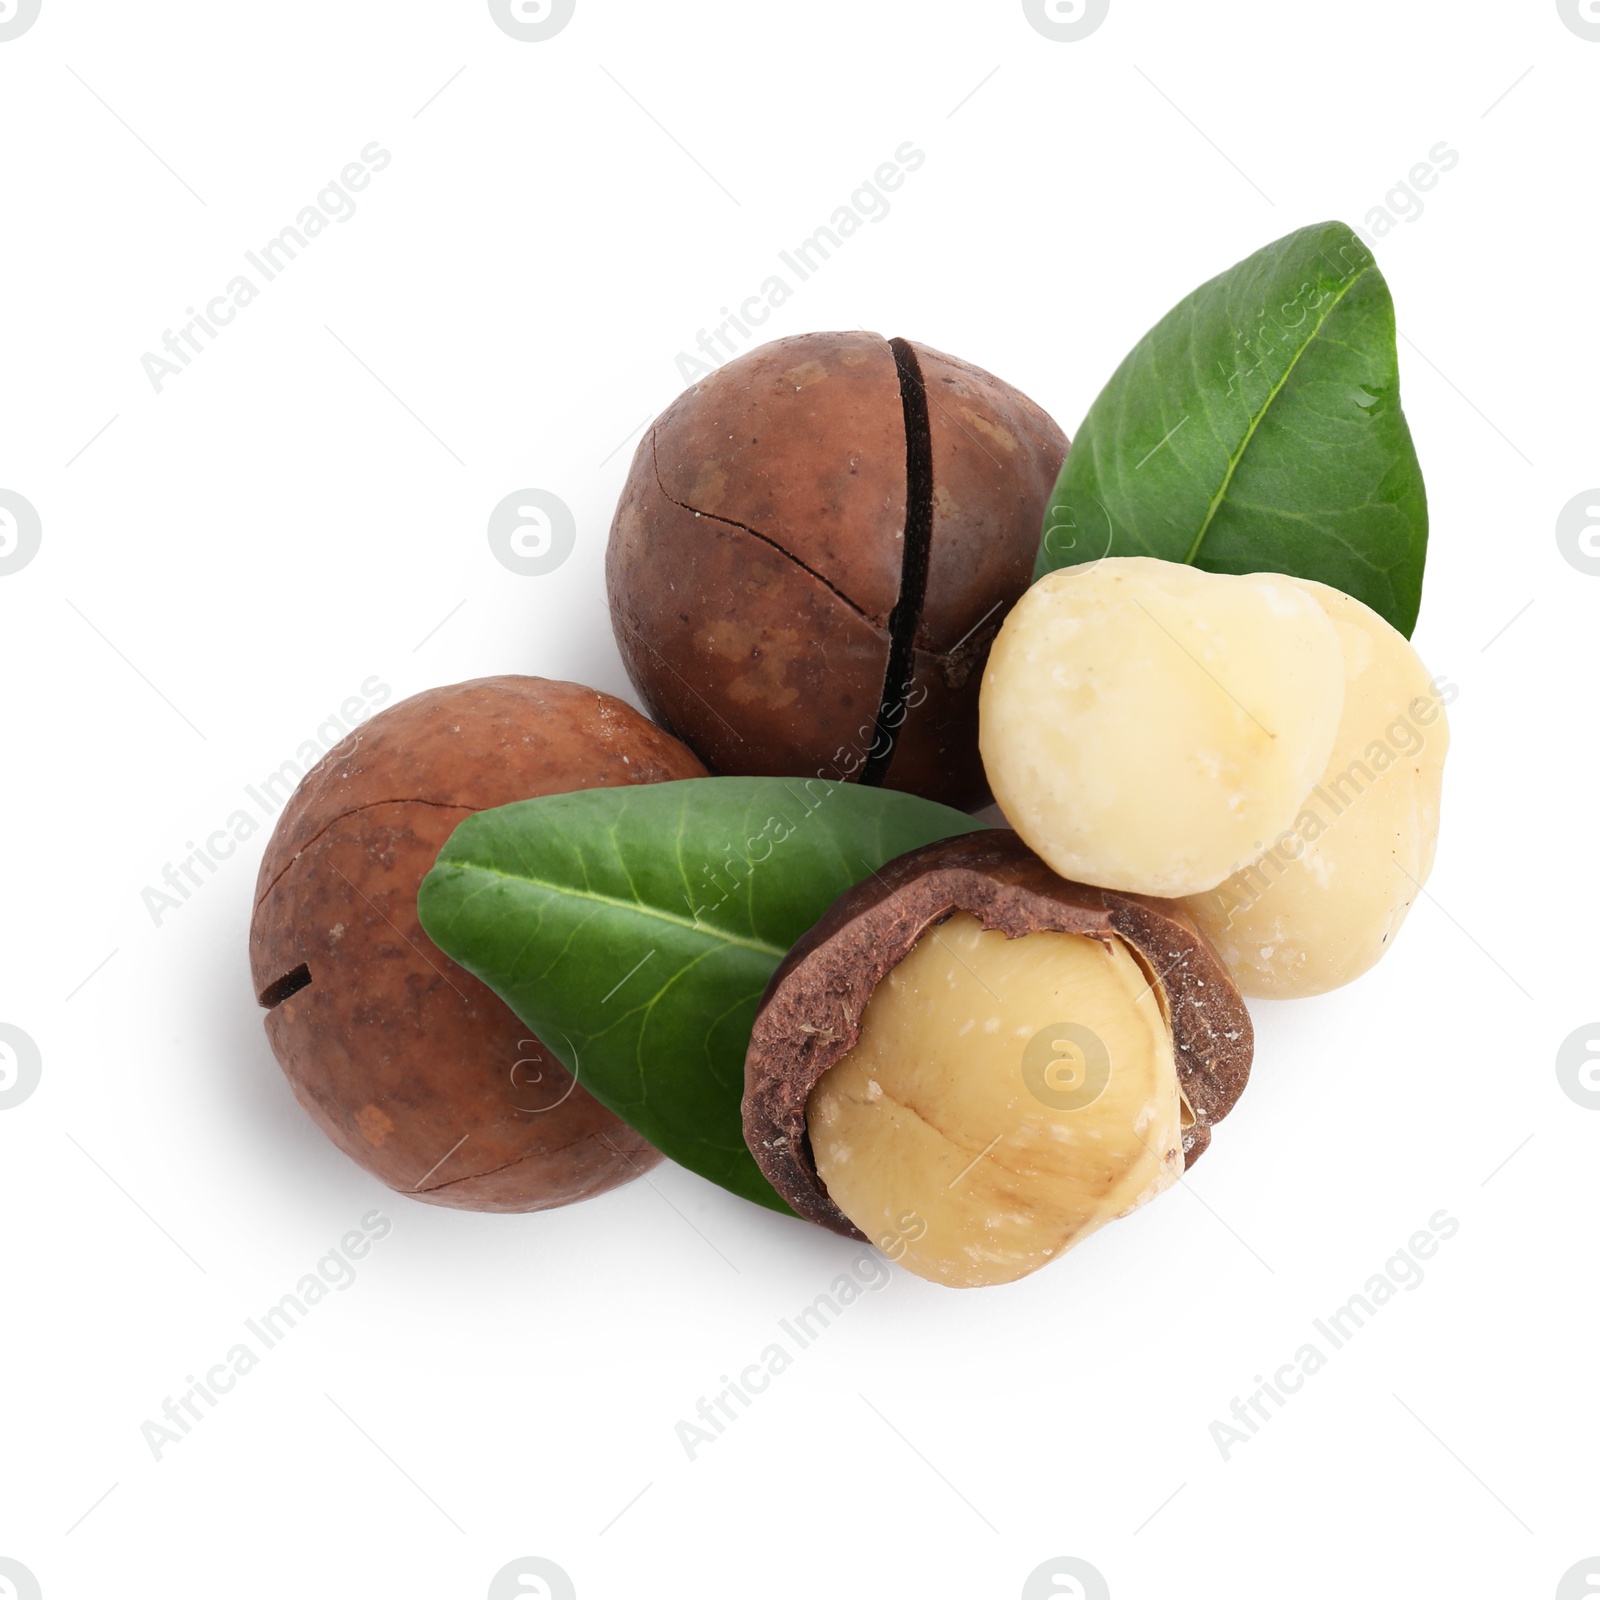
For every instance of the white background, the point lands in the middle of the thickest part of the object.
(305, 507)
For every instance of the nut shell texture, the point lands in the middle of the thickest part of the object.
(811, 1014)
(783, 549)
(414, 1068)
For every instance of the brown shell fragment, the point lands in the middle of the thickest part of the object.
(416, 1070)
(811, 1013)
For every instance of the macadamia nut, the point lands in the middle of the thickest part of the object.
(1326, 898)
(1012, 1095)
(1150, 727)
(415, 1069)
(973, 1060)
(814, 550)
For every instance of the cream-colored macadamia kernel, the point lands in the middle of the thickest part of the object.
(1010, 1095)
(1150, 727)
(1326, 898)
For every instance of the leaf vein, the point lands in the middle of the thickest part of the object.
(706, 930)
(1255, 422)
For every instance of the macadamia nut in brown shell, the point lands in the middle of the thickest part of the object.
(813, 552)
(975, 1063)
(414, 1068)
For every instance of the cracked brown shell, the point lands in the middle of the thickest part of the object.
(814, 550)
(414, 1068)
(811, 1013)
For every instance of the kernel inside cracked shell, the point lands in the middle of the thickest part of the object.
(1005, 1099)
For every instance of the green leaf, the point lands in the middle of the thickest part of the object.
(1257, 428)
(635, 929)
